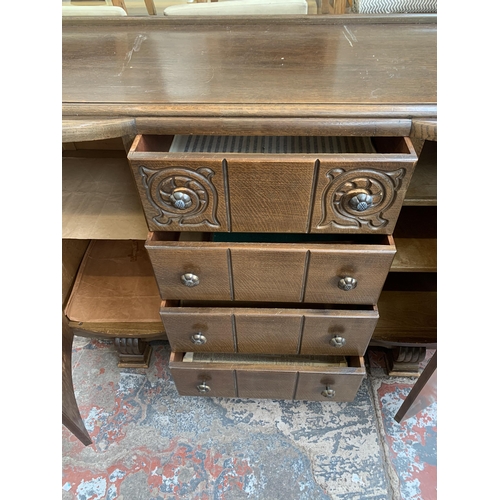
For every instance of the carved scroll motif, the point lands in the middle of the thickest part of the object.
(344, 185)
(181, 194)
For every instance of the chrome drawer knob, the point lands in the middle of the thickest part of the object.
(328, 392)
(198, 339)
(337, 341)
(180, 200)
(189, 279)
(203, 388)
(347, 283)
(361, 202)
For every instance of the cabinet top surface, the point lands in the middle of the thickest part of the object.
(301, 66)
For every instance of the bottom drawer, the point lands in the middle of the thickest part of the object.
(312, 378)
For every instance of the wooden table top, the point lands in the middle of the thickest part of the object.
(309, 67)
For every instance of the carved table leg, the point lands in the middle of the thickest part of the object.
(133, 353)
(405, 361)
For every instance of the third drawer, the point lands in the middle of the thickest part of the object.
(322, 330)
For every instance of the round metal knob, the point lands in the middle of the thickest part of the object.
(198, 339)
(189, 279)
(180, 200)
(203, 388)
(328, 392)
(347, 283)
(361, 202)
(337, 341)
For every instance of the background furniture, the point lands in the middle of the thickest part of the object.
(239, 8)
(230, 90)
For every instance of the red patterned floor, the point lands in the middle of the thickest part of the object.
(151, 444)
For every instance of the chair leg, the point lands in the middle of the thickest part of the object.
(150, 5)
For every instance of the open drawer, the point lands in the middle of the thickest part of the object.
(270, 329)
(335, 269)
(272, 184)
(313, 378)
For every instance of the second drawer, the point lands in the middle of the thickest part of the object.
(269, 330)
(334, 269)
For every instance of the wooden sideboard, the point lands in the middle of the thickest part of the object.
(258, 254)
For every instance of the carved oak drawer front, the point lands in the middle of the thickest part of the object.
(313, 378)
(331, 269)
(270, 330)
(272, 184)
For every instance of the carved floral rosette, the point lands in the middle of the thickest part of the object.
(378, 186)
(182, 195)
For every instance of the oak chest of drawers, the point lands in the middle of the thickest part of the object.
(270, 254)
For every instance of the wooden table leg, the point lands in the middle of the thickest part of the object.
(71, 417)
(422, 394)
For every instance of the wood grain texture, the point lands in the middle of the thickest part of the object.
(247, 63)
(407, 317)
(424, 129)
(268, 272)
(384, 176)
(310, 385)
(199, 176)
(369, 265)
(356, 327)
(253, 124)
(269, 330)
(415, 255)
(422, 190)
(72, 255)
(215, 325)
(295, 193)
(100, 200)
(270, 193)
(71, 417)
(271, 271)
(262, 384)
(96, 129)
(260, 380)
(268, 333)
(153, 330)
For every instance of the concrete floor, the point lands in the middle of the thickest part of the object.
(149, 443)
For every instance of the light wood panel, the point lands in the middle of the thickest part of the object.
(406, 317)
(100, 200)
(423, 187)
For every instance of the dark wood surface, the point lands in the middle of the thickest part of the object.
(310, 67)
(334, 75)
(71, 417)
(422, 394)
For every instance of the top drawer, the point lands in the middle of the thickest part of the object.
(272, 184)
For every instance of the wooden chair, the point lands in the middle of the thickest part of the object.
(89, 10)
(112, 8)
(239, 8)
